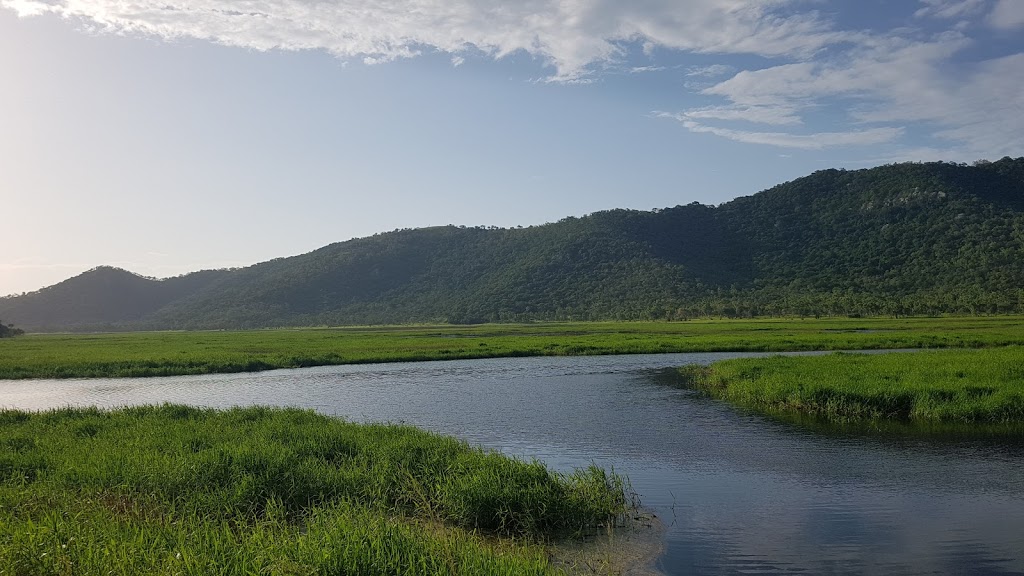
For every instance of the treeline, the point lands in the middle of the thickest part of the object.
(770, 303)
(901, 239)
(9, 331)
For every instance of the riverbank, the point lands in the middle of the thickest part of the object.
(935, 387)
(141, 354)
(181, 490)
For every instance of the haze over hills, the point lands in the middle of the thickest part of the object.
(897, 239)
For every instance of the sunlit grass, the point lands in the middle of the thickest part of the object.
(927, 387)
(170, 353)
(180, 490)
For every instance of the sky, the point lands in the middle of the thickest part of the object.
(168, 136)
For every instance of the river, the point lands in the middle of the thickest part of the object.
(737, 493)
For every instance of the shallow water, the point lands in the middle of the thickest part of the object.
(738, 493)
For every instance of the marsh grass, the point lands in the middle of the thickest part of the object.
(935, 387)
(180, 490)
(177, 353)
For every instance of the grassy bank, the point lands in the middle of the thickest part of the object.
(168, 353)
(976, 387)
(179, 490)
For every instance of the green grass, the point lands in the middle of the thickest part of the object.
(180, 490)
(976, 387)
(170, 353)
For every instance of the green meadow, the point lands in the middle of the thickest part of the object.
(170, 353)
(934, 387)
(179, 490)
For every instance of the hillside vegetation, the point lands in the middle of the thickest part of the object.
(103, 298)
(894, 240)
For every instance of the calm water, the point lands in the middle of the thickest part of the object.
(739, 494)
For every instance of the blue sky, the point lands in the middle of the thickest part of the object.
(174, 135)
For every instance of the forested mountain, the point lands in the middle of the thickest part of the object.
(897, 239)
(101, 299)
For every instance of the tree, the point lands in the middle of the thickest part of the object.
(9, 331)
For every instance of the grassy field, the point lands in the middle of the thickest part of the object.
(975, 387)
(167, 353)
(180, 490)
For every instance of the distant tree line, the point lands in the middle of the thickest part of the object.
(9, 331)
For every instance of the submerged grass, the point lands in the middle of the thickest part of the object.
(977, 387)
(180, 490)
(174, 353)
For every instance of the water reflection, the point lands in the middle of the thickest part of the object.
(739, 493)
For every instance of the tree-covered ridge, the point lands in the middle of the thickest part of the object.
(101, 298)
(897, 239)
(901, 238)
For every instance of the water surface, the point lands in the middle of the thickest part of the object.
(739, 494)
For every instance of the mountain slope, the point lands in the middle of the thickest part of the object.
(100, 298)
(897, 239)
(891, 230)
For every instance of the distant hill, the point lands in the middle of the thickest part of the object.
(897, 239)
(103, 298)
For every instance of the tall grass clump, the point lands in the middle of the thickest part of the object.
(179, 490)
(926, 387)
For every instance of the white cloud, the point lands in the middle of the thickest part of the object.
(950, 9)
(642, 69)
(568, 35)
(871, 73)
(710, 71)
(887, 82)
(773, 115)
(883, 80)
(814, 141)
(987, 109)
(1007, 14)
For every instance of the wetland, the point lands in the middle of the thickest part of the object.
(735, 490)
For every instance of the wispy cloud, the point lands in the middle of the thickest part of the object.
(710, 71)
(875, 84)
(642, 69)
(568, 36)
(1007, 14)
(878, 86)
(773, 115)
(950, 9)
(815, 141)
